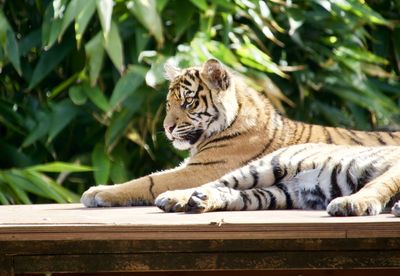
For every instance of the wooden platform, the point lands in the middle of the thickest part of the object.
(69, 238)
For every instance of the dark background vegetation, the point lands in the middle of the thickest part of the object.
(82, 87)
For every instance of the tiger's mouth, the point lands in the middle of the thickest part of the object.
(190, 137)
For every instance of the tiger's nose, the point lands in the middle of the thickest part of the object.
(169, 128)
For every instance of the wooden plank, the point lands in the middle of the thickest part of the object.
(6, 265)
(72, 221)
(206, 261)
(77, 247)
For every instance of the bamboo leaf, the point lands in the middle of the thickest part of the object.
(114, 49)
(77, 95)
(104, 10)
(101, 164)
(97, 97)
(126, 86)
(48, 61)
(95, 55)
(82, 20)
(146, 12)
(9, 43)
(59, 167)
(62, 114)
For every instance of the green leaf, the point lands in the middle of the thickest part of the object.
(74, 7)
(101, 164)
(48, 61)
(53, 189)
(126, 85)
(51, 27)
(104, 10)
(59, 167)
(77, 95)
(97, 97)
(83, 19)
(146, 12)
(120, 121)
(9, 43)
(201, 4)
(114, 49)
(41, 129)
(95, 55)
(62, 114)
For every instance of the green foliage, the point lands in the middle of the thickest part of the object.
(82, 82)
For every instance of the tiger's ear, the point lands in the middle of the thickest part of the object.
(170, 71)
(215, 75)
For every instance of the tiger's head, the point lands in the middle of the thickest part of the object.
(201, 101)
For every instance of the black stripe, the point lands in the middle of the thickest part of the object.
(365, 176)
(212, 147)
(289, 201)
(353, 137)
(310, 127)
(324, 165)
(379, 139)
(349, 178)
(254, 173)
(335, 189)
(327, 134)
(278, 170)
(224, 182)
(272, 200)
(246, 200)
(258, 198)
(301, 133)
(206, 163)
(223, 138)
(236, 183)
(151, 187)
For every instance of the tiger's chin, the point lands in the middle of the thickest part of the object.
(181, 144)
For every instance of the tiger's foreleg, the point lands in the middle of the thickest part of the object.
(144, 190)
(372, 198)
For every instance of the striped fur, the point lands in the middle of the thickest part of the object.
(345, 180)
(225, 125)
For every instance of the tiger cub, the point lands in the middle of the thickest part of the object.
(344, 180)
(225, 125)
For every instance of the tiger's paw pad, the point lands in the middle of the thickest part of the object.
(172, 201)
(350, 206)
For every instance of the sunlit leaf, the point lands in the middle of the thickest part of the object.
(104, 10)
(114, 48)
(146, 12)
(83, 18)
(59, 167)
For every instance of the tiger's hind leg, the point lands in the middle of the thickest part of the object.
(372, 198)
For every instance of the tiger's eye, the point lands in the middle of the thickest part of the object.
(189, 100)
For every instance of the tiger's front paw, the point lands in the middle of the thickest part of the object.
(197, 200)
(104, 196)
(354, 206)
(173, 201)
